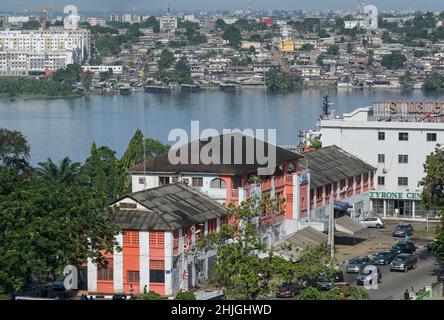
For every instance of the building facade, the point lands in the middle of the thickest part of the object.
(395, 137)
(158, 230)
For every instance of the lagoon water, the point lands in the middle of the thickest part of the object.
(59, 128)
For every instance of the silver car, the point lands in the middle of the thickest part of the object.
(373, 222)
(357, 264)
(404, 262)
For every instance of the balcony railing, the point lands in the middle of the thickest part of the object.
(234, 193)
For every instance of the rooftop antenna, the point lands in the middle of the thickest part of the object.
(249, 6)
(168, 9)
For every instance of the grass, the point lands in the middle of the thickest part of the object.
(4, 297)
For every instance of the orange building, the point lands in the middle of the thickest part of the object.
(159, 227)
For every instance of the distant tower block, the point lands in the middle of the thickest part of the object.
(371, 17)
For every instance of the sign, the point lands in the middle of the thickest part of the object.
(409, 108)
(395, 195)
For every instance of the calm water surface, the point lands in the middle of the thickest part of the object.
(59, 128)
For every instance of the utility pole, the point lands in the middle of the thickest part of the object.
(331, 226)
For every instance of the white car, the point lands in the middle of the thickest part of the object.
(373, 222)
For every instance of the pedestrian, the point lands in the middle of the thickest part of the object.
(145, 289)
(406, 294)
(131, 291)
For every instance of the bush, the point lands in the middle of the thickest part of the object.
(151, 295)
(185, 296)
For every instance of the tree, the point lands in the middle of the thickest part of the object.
(393, 61)
(183, 71)
(349, 48)
(239, 271)
(406, 78)
(14, 149)
(434, 81)
(66, 171)
(277, 81)
(307, 47)
(166, 59)
(233, 36)
(252, 50)
(31, 25)
(432, 195)
(47, 226)
(333, 50)
(135, 154)
(100, 171)
(151, 295)
(323, 34)
(220, 24)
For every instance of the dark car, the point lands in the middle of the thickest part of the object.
(288, 290)
(383, 257)
(356, 264)
(440, 277)
(366, 276)
(404, 262)
(404, 247)
(119, 297)
(403, 230)
(325, 284)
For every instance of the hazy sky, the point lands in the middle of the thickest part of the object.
(20, 5)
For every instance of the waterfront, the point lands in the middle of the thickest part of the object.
(66, 127)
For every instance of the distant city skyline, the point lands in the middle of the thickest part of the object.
(177, 5)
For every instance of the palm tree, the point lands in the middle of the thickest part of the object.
(65, 171)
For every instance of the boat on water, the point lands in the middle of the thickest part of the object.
(190, 88)
(227, 87)
(157, 89)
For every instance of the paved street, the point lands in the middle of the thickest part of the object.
(394, 283)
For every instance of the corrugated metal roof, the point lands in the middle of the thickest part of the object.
(168, 208)
(348, 225)
(306, 237)
(331, 164)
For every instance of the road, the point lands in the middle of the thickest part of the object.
(394, 284)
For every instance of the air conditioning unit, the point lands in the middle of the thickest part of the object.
(384, 171)
(186, 181)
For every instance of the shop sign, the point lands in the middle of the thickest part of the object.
(395, 195)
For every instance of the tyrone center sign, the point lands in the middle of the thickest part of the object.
(395, 195)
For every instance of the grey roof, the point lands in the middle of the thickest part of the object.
(331, 164)
(162, 164)
(305, 238)
(168, 208)
(348, 225)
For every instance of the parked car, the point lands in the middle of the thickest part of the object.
(288, 290)
(402, 230)
(325, 284)
(383, 257)
(404, 262)
(366, 276)
(373, 222)
(356, 264)
(404, 247)
(440, 277)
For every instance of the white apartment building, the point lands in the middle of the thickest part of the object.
(168, 23)
(125, 17)
(19, 63)
(396, 138)
(45, 41)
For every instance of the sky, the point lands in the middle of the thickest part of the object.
(87, 5)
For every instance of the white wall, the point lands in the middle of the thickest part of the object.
(361, 139)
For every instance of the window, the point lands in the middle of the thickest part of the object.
(381, 181)
(163, 181)
(381, 135)
(157, 271)
(125, 205)
(107, 272)
(381, 158)
(142, 180)
(197, 182)
(403, 181)
(218, 184)
(403, 158)
(431, 136)
(157, 239)
(133, 276)
(403, 136)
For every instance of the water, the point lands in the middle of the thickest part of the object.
(59, 128)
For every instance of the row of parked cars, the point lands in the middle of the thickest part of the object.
(401, 230)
